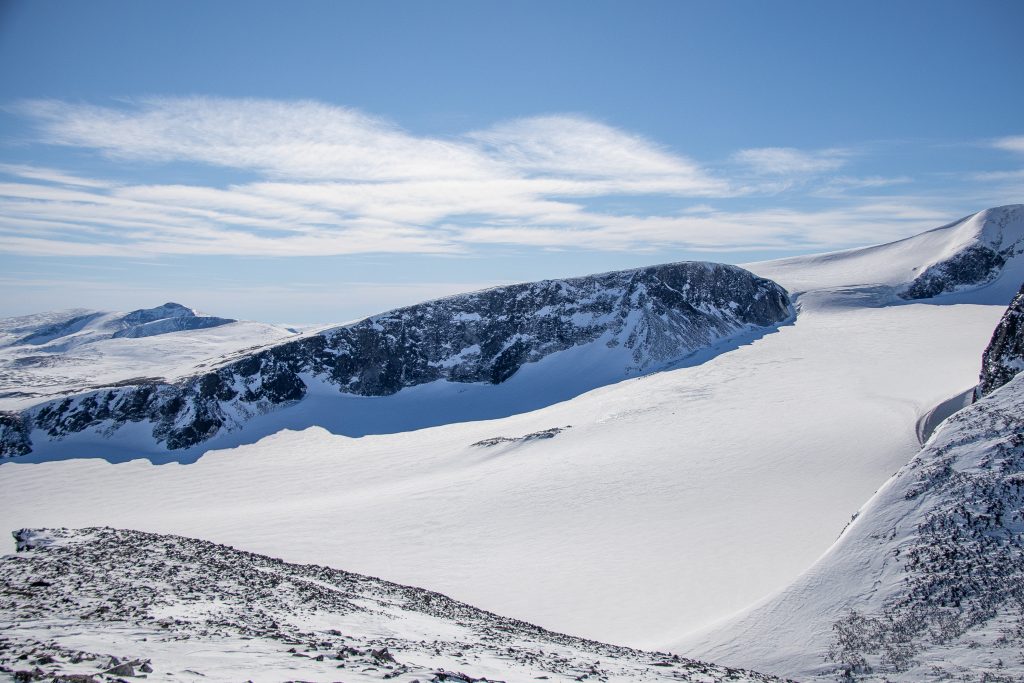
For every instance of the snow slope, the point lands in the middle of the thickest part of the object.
(928, 581)
(172, 609)
(977, 259)
(672, 500)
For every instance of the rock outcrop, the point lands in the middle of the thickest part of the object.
(1004, 356)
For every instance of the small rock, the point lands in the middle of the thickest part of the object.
(125, 669)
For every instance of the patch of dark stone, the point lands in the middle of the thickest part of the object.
(534, 436)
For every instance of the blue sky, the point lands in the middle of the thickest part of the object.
(319, 161)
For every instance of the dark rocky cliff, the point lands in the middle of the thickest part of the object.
(1004, 357)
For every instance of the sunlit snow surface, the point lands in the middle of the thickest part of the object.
(674, 500)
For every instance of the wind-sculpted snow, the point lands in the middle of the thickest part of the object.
(640, 320)
(1004, 357)
(94, 604)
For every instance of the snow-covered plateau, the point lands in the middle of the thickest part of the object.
(577, 488)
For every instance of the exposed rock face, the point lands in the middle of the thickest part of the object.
(263, 618)
(973, 266)
(14, 434)
(999, 239)
(650, 316)
(1004, 357)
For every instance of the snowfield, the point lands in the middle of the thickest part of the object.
(665, 503)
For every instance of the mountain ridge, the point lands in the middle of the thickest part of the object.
(640, 318)
(976, 259)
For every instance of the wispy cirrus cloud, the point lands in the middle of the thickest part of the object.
(311, 141)
(51, 175)
(298, 140)
(787, 161)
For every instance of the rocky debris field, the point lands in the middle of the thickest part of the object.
(105, 604)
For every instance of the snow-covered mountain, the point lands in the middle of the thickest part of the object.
(978, 259)
(629, 321)
(77, 327)
(172, 609)
(634, 513)
(56, 354)
(927, 582)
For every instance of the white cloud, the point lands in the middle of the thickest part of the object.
(299, 140)
(51, 175)
(574, 146)
(1013, 143)
(334, 181)
(788, 161)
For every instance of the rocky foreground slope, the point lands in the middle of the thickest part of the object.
(103, 604)
(641, 319)
(927, 582)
